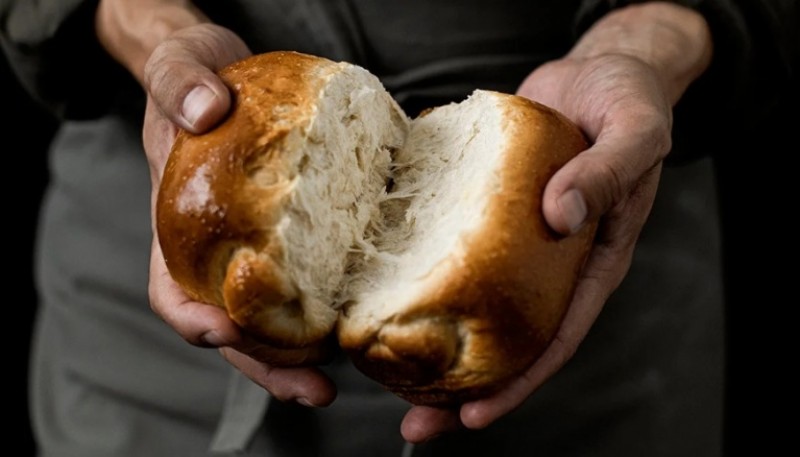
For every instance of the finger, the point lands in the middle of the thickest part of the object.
(199, 324)
(587, 303)
(481, 413)
(180, 75)
(605, 268)
(286, 357)
(599, 178)
(158, 135)
(209, 326)
(307, 386)
(423, 423)
(539, 84)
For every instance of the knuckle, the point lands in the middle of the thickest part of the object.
(154, 67)
(615, 179)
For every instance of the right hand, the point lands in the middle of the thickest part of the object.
(183, 92)
(619, 84)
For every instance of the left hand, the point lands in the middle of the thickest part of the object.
(173, 50)
(623, 102)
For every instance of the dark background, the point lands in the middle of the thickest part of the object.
(758, 208)
(27, 131)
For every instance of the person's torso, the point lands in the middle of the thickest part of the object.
(426, 52)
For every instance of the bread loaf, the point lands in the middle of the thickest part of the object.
(318, 208)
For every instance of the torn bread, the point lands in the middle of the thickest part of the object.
(318, 208)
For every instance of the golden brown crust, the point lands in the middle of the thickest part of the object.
(485, 316)
(488, 318)
(223, 192)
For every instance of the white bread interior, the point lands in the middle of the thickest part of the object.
(442, 179)
(319, 208)
(348, 239)
(342, 163)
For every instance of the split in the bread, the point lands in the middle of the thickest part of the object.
(319, 207)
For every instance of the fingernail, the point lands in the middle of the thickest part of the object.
(212, 339)
(305, 402)
(573, 209)
(196, 103)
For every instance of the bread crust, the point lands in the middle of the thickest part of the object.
(485, 315)
(222, 196)
(489, 313)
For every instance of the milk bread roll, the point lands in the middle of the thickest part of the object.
(318, 209)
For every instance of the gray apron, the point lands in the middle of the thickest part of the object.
(110, 379)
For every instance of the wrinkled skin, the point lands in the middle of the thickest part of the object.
(629, 124)
(178, 66)
(619, 93)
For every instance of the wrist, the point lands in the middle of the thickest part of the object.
(673, 40)
(130, 30)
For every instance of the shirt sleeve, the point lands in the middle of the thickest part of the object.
(755, 58)
(52, 48)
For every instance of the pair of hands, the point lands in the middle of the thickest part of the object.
(620, 95)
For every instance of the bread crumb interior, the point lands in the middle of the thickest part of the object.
(339, 177)
(352, 243)
(443, 177)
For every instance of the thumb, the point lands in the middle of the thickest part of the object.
(602, 176)
(180, 75)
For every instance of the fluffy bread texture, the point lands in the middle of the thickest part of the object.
(318, 207)
(259, 215)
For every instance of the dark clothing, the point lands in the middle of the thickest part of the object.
(110, 379)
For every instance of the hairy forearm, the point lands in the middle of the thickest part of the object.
(674, 40)
(131, 29)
